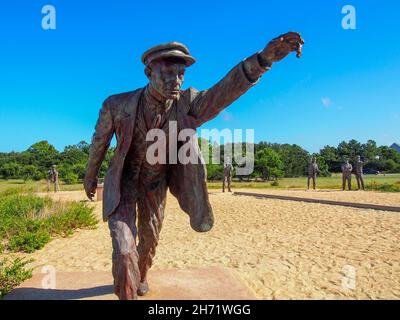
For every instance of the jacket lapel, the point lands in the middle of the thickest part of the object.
(128, 120)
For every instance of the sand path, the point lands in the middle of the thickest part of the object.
(281, 249)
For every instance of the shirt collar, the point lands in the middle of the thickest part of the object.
(153, 100)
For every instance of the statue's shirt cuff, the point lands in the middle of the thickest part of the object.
(253, 69)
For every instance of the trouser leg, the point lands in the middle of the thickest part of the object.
(349, 182)
(223, 184)
(229, 184)
(344, 183)
(124, 257)
(308, 183)
(151, 207)
(358, 182)
(314, 182)
(362, 182)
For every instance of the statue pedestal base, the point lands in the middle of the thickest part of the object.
(99, 192)
(214, 283)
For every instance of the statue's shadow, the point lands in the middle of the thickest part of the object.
(59, 294)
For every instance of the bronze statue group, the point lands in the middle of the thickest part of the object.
(347, 171)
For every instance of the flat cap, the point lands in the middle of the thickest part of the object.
(168, 50)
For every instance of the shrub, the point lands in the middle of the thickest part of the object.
(30, 172)
(80, 170)
(23, 205)
(71, 178)
(18, 213)
(10, 170)
(29, 241)
(215, 171)
(76, 215)
(28, 222)
(275, 183)
(12, 274)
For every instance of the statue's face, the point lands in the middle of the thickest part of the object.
(358, 158)
(166, 77)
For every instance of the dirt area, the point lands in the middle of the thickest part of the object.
(281, 249)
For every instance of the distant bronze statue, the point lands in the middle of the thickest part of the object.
(52, 178)
(359, 168)
(313, 170)
(347, 168)
(49, 179)
(228, 172)
(132, 181)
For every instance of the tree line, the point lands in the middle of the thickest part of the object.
(34, 163)
(274, 160)
(271, 160)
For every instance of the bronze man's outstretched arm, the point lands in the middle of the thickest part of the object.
(207, 104)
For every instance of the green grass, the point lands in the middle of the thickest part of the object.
(387, 183)
(383, 187)
(35, 186)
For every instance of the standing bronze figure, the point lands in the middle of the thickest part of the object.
(228, 172)
(132, 181)
(313, 170)
(52, 178)
(360, 173)
(347, 168)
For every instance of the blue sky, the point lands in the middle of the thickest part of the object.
(346, 85)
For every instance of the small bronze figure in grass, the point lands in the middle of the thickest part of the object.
(347, 168)
(135, 188)
(49, 179)
(359, 171)
(313, 170)
(52, 178)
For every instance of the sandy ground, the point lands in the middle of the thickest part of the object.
(281, 249)
(389, 199)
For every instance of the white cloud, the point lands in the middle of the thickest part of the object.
(227, 116)
(327, 102)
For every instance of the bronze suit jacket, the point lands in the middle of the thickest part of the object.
(187, 182)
